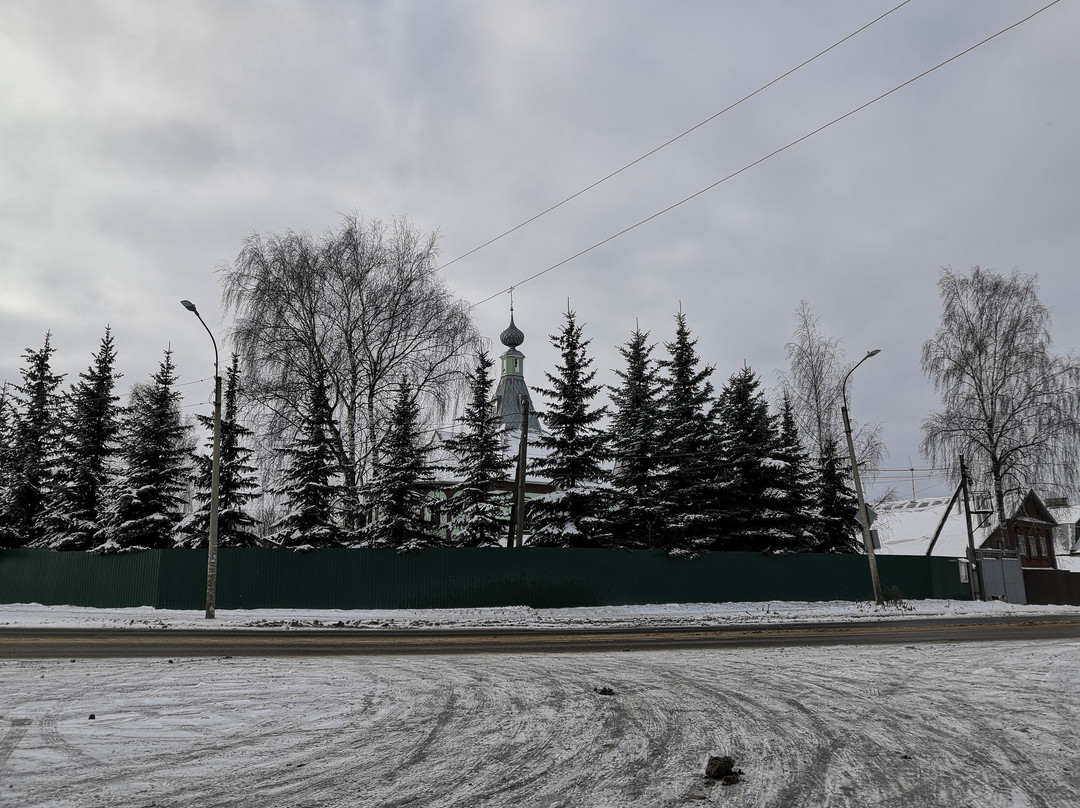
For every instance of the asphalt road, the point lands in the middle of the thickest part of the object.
(43, 643)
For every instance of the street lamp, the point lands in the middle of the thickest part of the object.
(868, 543)
(215, 476)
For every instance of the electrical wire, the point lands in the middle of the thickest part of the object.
(667, 143)
(760, 160)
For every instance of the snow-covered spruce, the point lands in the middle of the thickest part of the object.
(146, 498)
(576, 512)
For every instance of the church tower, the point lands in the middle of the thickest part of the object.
(512, 381)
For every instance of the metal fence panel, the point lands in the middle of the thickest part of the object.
(79, 579)
(1052, 586)
(459, 577)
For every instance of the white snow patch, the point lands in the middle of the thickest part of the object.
(669, 614)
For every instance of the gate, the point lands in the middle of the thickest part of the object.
(1002, 576)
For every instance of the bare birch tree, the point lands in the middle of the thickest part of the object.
(1010, 405)
(813, 386)
(364, 307)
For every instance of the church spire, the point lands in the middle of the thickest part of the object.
(512, 379)
(513, 361)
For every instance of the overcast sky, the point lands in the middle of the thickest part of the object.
(140, 143)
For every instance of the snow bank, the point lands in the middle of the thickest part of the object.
(671, 614)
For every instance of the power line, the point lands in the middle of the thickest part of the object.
(760, 160)
(667, 143)
(909, 469)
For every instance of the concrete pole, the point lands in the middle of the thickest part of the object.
(215, 481)
(519, 492)
(868, 542)
(215, 477)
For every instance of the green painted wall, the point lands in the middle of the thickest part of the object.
(447, 578)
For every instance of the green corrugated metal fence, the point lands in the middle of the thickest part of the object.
(455, 578)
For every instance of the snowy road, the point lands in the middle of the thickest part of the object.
(26, 643)
(972, 724)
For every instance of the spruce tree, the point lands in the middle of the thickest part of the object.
(796, 485)
(693, 481)
(477, 510)
(311, 484)
(148, 494)
(8, 535)
(236, 478)
(35, 445)
(751, 446)
(575, 514)
(399, 493)
(837, 523)
(88, 449)
(637, 514)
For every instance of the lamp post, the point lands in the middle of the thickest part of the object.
(215, 476)
(868, 543)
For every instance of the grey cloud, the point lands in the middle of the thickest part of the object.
(157, 137)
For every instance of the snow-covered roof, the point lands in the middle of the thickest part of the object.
(1066, 532)
(1064, 514)
(1068, 562)
(907, 527)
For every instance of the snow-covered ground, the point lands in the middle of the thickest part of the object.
(671, 614)
(993, 725)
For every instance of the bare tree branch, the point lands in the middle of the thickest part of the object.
(1010, 405)
(364, 306)
(813, 387)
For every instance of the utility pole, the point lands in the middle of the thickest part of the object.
(973, 561)
(519, 488)
(864, 521)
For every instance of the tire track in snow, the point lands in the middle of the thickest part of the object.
(15, 732)
(917, 719)
(780, 756)
(508, 756)
(501, 756)
(54, 740)
(951, 714)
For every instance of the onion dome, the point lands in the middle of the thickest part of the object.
(512, 336)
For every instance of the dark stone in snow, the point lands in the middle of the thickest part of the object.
(604, 691)
(91, 717)
(722, 767)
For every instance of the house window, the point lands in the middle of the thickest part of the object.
(1042, 546)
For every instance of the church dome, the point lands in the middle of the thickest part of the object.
(512, 336)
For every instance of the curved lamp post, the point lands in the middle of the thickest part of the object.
(215, 476)
(868, 543)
